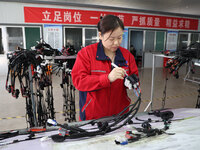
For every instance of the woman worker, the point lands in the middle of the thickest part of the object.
(102, 89)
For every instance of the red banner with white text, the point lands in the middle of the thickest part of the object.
(89, 17)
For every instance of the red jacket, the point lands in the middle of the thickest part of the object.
(98, 97)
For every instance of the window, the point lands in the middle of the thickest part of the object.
(79, 37)
(90, 36)
(194, 37)
(73, 37)
(149, 41)
(183, 41)
(160, 41)
(1, 43)
(15, 38)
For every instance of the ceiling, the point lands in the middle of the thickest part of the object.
(178, 7)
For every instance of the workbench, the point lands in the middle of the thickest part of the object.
(186, 137)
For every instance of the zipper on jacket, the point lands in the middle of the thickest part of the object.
(86, 105)
(110, 104)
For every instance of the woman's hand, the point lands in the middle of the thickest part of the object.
(116, 73)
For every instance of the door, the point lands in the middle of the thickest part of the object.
(32, 35)
(136, 39)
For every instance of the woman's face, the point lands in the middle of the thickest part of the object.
(112, 41)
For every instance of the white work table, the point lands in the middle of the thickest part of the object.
(186, 137)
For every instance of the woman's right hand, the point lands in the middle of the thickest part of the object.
(116, 73)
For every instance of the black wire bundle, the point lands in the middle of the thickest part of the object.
(46, 49)
(102, 126)
(23, 64)
(175, 63)
(19, 61)
(192, 51)
(183, 56)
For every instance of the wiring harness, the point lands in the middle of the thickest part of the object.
(34, 74)
(183, 56)
(99, 126)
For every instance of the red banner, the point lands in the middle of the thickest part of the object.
(88, 17)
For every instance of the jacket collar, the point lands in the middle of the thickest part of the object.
(101, 56)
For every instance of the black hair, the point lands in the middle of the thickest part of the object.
(109, 23)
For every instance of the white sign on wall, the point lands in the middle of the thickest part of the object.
(172, 39)
(53, 36)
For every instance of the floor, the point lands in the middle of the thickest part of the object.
(179, 94)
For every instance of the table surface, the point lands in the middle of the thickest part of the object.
(187, 136)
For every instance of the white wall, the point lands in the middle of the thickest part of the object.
(3, 65)
(11, 13)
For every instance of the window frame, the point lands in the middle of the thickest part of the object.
(83, 33)
(5, 38)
